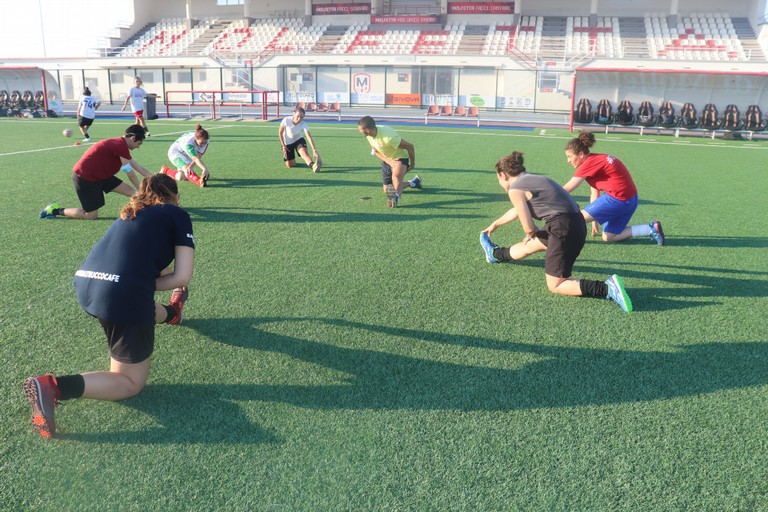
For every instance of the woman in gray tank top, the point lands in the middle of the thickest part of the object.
(562, 237)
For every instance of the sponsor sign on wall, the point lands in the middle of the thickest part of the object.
(404, 20)
(361, 82)
(481, 7)
(404, 99)
(342, 9)
(369, 98)
(520, 102)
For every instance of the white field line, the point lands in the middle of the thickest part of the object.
(69, 146)
(468, 132)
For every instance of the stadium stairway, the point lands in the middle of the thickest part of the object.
(330, 38)
(472, 41)
(216, 28)
(746, 34)
(128, 42)
(634, 38)
(552, 38)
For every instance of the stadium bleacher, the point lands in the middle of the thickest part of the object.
(697, 36)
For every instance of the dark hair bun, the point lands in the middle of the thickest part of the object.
(587, 138)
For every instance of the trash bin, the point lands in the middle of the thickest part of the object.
(151, 110)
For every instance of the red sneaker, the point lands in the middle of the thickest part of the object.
(41, 392)
(178, 297)
(194, 178)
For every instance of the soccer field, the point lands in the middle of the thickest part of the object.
(339, 355)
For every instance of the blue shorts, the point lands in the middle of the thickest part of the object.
(386, 171)
(614, 214)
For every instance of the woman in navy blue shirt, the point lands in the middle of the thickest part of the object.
(116, 284)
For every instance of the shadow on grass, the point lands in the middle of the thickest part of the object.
(187, 414)
(302, 216)
(709, 283)
(563, 377)
(295, 178)
(378, 380)
(735, 242)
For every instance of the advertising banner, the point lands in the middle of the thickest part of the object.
(476, 100)
(368, 98)
(332, 97)
(341, 9)
(519, 102)
(404, 20)
(481, 7)
(404, 99)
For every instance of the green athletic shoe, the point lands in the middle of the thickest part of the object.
(47, 212)
(618, 294)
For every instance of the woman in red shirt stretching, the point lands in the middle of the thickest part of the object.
(618, 201)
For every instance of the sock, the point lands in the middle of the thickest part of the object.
(58, 211)
(311, 164)
(171, 313)
(70, 386)
(641, 230)
(591, 288)
(502, 254)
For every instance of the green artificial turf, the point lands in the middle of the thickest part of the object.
(339, 355)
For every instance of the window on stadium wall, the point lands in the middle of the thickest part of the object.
(299, 85)
(398, 86)
(98, 82)
(403, 86)
(517, 90)
(206, 80)
(439, 86)
(477, 88)
(332, 84)
(368, 85)
(265, 79)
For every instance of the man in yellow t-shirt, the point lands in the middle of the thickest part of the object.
(397, 157)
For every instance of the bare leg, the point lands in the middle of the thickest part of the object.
(141, 122)
(79, 213)
(304, 154)
(563, 286)
(522, 250)
(122, 381)
(610, 237)
(398, 177)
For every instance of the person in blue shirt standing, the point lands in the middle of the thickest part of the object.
(116, 284)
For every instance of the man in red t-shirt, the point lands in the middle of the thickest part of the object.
(94, 175)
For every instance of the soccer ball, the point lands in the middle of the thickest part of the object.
(67, 133)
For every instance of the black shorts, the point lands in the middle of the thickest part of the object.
(290, 149)
(386, 171)
(564, 236)
(91, 193)
(129, 343)
(84, 121)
